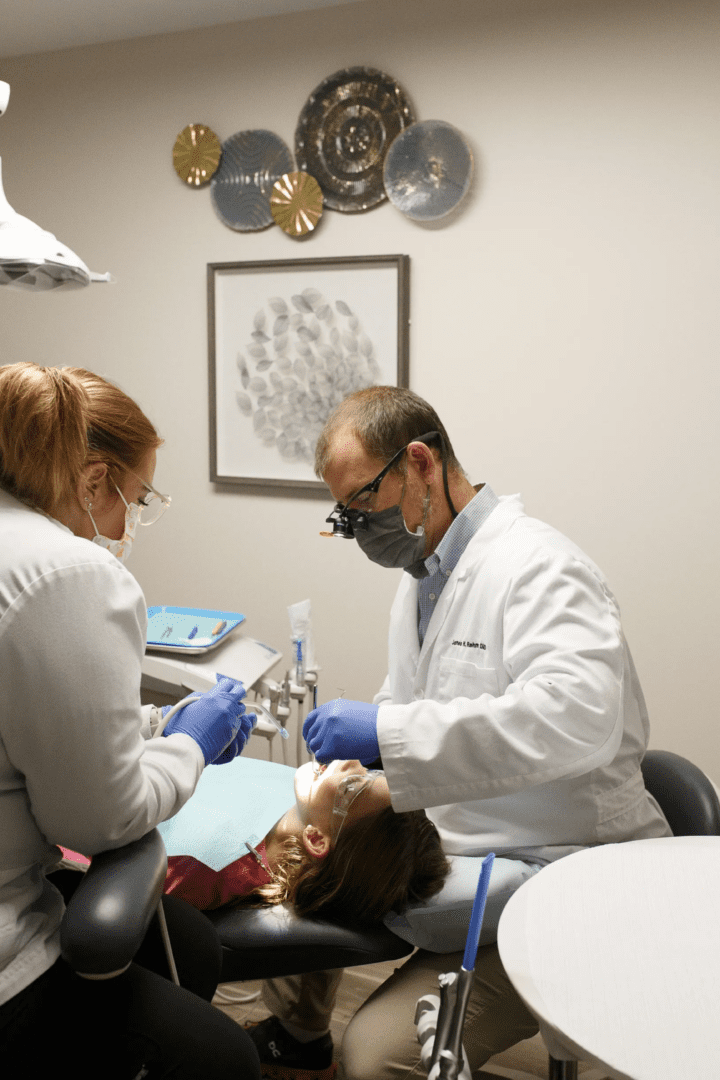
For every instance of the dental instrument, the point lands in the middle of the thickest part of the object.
(162, 724)
(304, 676)
(250, 707)
(256, 706)
(299, 663)
(315, 762)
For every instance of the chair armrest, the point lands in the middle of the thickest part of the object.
(108, 916)
(686, 795)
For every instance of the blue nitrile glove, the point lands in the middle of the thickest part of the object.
(247, 723)
(341, 730)
(216, 721)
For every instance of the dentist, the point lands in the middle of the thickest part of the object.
(77, 765)
(512, 712)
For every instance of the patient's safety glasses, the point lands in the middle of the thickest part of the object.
(348, 790)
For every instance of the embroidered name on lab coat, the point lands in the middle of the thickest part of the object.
(471, 644)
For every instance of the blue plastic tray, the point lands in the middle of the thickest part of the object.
(189, 630)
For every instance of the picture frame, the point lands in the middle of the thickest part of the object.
(288, 339)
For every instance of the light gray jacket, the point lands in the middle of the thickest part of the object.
(75, 766)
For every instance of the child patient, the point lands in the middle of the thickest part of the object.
(337, 850)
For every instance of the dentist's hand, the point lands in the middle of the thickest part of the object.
(343, 730)
(217, 721)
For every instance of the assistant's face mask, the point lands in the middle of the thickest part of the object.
(119, 548)
(386, 539)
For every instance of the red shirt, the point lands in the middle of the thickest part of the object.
(205, 888)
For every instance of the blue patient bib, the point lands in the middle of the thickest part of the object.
(232, 804)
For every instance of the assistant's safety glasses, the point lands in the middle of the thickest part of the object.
(344, 520)
(152, 505)
(348, 790)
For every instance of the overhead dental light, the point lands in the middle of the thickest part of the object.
(30, 257)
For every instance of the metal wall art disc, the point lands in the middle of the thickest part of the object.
(196, 154)
(344, 132)
(428, 170)
(296, 203)
(251, 163)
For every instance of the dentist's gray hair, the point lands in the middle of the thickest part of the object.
(384, 418)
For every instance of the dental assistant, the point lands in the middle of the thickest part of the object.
(77, 764)
(512, 711)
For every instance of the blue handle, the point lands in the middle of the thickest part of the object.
(473, 938)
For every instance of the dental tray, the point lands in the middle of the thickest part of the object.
(192, 631)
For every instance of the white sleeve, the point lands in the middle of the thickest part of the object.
(384, 694)
(560, 715)
(71, 667)
(149, 718)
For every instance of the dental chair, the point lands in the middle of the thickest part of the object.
(268, 942)
(263, 943)
(686, 796)
(110, 912)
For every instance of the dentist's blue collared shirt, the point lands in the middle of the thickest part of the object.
(444, 559)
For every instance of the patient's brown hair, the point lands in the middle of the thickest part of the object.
(380, 863)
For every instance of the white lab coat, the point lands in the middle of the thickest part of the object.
(76, 765)
(520, 724)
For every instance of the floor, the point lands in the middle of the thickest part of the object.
(526, 1061)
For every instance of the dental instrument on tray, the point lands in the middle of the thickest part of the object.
(440, 1020)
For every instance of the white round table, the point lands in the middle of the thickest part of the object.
(616, 950)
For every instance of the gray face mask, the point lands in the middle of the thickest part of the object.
(383, 535)
(386, 540)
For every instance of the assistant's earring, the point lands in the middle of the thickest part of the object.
(88, 504)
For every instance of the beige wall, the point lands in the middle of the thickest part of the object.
(564, 324)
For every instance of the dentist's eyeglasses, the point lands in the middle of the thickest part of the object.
(348, 790)
(345, 520)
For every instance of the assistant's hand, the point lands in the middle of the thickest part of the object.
(216, 721)
(341, 730)
(247, 723)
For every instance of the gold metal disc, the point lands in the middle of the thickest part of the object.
(296, 203)
(196, 154)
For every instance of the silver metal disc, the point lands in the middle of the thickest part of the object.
(251, 163)
(428, 170)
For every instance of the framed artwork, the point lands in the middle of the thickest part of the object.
(287, 341)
